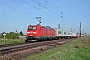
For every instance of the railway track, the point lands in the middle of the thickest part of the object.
(19, 47)
(8, 45)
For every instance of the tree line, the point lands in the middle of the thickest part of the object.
(12, 35)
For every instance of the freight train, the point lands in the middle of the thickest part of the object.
(40, 33)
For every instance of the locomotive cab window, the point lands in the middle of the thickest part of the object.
(31, 28)
(34, 28)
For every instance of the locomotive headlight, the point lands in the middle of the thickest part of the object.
(36, 37)
(34, 32)
(28, 32)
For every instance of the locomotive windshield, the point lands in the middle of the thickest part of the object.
(31, 28)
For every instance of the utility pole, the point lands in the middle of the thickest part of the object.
(80, 29)
(83, 32)
(71, 29)
(58, 26)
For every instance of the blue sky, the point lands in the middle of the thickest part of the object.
(18, 14)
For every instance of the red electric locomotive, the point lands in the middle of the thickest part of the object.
(38, 32)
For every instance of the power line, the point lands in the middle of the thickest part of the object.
(80, 29)
(37, 8)
(44, 7)
(26, 7)
(34, 7)
(45, 3)
(40, 10)
(59, 11)
(16, 9)
(27, 13)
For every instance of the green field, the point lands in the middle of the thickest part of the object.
(11, 41)
(76, 50)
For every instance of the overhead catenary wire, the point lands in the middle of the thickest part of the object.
(16, 9)
(40, 4)
(34, 7)
(27, 7)
(45, 7)
(48, 10)
(32, 10)
(64, 14)
(39, 10)
(29, 13)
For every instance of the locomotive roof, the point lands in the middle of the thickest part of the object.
(34, 25)
(47, 27)
(42, 26)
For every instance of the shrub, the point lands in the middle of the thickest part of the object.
(10, 35)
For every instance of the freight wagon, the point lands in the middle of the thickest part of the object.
(59, 33)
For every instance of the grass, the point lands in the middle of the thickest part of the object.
(76, 50)
(11, 41)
